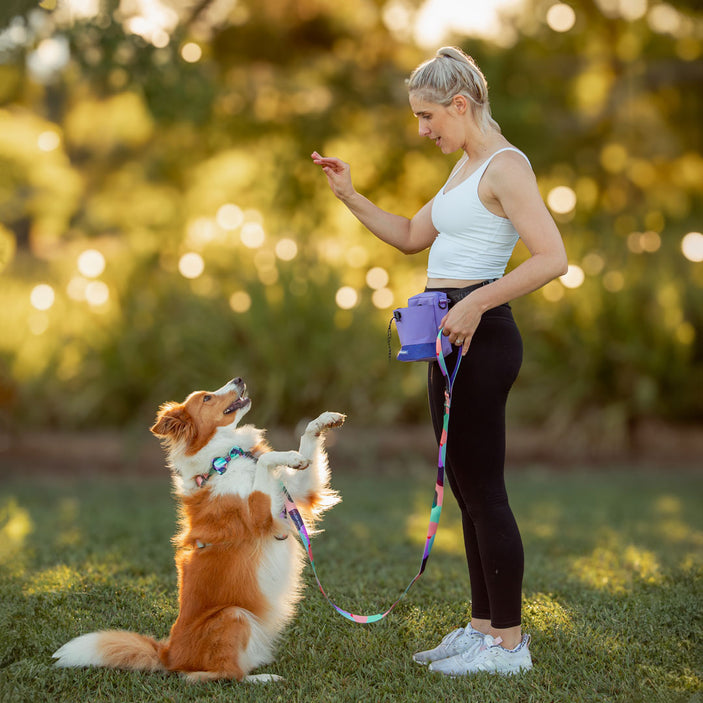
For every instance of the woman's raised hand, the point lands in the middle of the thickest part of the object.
(338, 175)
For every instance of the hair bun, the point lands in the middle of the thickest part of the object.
(452, 52)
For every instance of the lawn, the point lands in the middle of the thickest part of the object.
(612, 592)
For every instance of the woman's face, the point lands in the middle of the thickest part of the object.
(437, 122)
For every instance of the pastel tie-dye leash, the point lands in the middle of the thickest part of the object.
(436, 511)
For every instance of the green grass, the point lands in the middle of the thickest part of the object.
(612, 591)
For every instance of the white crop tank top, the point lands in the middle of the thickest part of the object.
(473, 244)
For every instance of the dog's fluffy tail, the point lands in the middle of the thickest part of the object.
(115, 649)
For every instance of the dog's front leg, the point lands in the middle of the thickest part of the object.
(310, 440)
(269, 469)
(315, 481)
(268, 465)
(272, 460)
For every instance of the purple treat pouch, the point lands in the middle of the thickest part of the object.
(418, 326)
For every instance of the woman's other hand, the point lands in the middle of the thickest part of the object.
(338, 175)
(460, 323)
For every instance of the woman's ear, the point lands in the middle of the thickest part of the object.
(460, 103)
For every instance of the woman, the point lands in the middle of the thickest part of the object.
(471, 226)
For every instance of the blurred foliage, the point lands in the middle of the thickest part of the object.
(191, 136)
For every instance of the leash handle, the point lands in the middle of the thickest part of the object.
(435, 512)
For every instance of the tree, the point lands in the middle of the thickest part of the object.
(186, 144)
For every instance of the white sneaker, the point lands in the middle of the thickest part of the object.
(492, 658)
(461, 641)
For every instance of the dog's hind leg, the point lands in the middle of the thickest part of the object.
(216, 646)
(262, 678)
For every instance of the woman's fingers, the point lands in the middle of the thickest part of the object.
(457, 338)
(334, 163)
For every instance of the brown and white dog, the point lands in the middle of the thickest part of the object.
(238, 560)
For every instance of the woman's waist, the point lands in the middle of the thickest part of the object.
(457, 291)
(452, 283)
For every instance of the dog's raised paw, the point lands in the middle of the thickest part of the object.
(326, 421)
(298, 461)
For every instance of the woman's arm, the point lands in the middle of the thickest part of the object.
(407, 235)
(512, 187)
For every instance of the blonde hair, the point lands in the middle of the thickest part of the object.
(452, 72)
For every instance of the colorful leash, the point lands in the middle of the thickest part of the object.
(435, 513)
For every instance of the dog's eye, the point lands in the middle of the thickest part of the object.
(206, 398)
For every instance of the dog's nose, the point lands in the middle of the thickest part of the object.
(237, 381)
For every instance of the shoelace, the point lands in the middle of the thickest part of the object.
(448, 639)
(470, 653)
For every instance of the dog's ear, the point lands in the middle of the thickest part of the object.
(173, 422)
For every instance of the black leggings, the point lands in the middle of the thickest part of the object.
(475, 457)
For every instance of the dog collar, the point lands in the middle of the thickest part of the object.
(219, 465)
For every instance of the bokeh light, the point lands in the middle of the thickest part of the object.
(561, 200)
(377, 278)
(76, 288)
(48, 140)
(382, 298)
(240, 301)
(268, 274)
(435, 20)
(229, 216)
(286, 249)
(346, 298)
(91, 263)
(613, 281)
(97, 293)
(201, 231)
(614, 157)
(160, 39)
(252, 235)
(42, 296)
(38, 323)
(553, 292)
(191, 265)
(632, 10)
(561, 17)
(593, 263)
(51, 56)
(152, 20)
(692, 246)
(357, 257)
(641, 242)
(664, 19)
(191, 52)
(574, 277)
